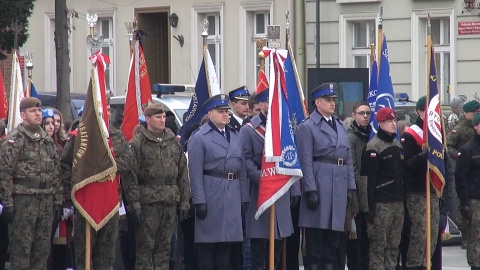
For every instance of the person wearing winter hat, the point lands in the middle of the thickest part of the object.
(48, 122)
(382, 170)
(456, 104)
(462, 132)
(468, 190)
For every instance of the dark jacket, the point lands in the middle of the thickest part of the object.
(383, 165)
(358, 140)
(416, 164)
(467, 173)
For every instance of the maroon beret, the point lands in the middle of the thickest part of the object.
(385, 114)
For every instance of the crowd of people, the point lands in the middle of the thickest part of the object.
(361, 202)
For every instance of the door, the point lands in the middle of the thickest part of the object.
(156, 44)
(351, 83)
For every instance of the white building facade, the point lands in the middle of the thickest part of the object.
(345, 37)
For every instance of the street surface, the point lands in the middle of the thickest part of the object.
(454, 258)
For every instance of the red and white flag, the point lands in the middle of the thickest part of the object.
(16, 95)
(280, 164)
(3, 99)
(139, 92)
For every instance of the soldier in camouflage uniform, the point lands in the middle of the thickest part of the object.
(456, 104)
(467, 174)
(382, 170)
(30, 188)
(415, 173)
(102, 241)
(160, 190)
(463, 132)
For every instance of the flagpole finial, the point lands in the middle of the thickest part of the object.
(17, 27)
(29, 63)
(287, 18)
(380, 20)
(94, 42)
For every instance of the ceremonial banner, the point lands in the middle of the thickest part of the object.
(16, 95)
(206, 87)
(139, 92)
(384, 97)
(281, 170)
(3, 99)
(433, 134)
(262, 81)
(95, 190)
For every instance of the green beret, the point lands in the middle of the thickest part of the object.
(154, 108)
(476, 119)
(421, 103)
(471, 106)
(30, 102)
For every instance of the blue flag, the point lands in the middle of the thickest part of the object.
(205, 87)
(384, 97)
(296, 100)
(434, 129)
(33, 91)
(372, 91)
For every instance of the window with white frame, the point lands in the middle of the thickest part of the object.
(214, 42)
(441, 41)
(104, 27)
(362, 37)
(261, 19)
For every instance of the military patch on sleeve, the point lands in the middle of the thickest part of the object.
(11, 141)
(373, 154)
(454, 131)
(402, 139)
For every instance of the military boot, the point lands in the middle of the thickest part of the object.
(313, 267)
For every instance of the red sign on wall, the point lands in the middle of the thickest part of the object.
(469, 28)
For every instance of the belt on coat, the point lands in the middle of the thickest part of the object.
(338, 161)
(153, 182)
(228, 176)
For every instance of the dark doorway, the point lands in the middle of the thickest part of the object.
(156, 45)
(352, 85)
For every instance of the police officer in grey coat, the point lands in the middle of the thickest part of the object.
(253, 141)
(328, 180)
(219, 185)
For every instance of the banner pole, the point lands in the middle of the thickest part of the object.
(427, 176)
(87, 245)
(271, 265)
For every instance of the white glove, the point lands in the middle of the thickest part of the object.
(67, 212)
(1, 208)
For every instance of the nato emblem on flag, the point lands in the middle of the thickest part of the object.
(384, 96)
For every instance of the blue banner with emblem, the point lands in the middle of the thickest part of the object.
(384, 97)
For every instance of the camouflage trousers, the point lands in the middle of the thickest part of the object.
(102, 243)
(473, 241)
(416, 255)
(153, 237)
(384, 235)
(30, 232)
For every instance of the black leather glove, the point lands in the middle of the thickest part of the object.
(138, 217)
(294, 200)
(245, 206)
(312, 200)
(182, 214)
(423, 155)
(201, 211)
(7, 214)
(57, 213)
(466, 212)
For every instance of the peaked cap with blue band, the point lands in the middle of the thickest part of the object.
(47, 113)
(240, 93)
(262, 95)
(219, 101)
(324, 90)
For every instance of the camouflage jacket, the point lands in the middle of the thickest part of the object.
(160, 171)
(123, 158)
(29, 164)
(459, 136)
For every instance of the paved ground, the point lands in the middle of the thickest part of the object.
(454, 258)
